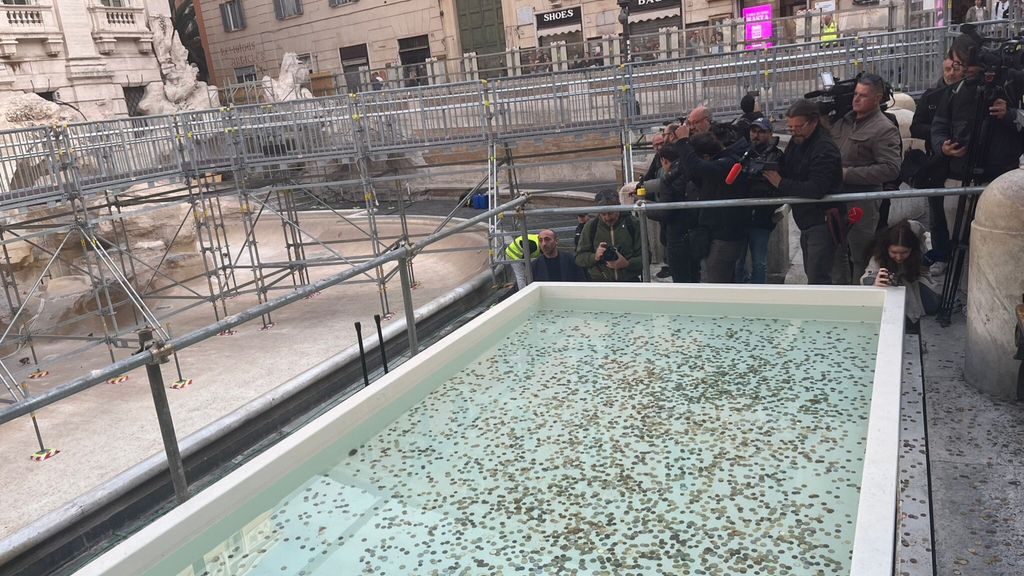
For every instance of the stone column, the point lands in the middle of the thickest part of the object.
(995, 282)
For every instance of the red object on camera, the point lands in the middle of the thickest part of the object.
(854, 215)
(734, 173)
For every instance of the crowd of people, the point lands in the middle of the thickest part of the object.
(841, 242)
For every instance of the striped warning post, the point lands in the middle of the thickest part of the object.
(118, 379)
(45, 454)
(183, 383)
(38, 374)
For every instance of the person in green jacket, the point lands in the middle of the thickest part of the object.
(609, 248)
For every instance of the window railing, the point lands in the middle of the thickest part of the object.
(35, 20)
(113, 19)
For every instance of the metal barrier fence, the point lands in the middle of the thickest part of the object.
(120, 152)
(671, 42)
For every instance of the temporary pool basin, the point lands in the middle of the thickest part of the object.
(584, 428)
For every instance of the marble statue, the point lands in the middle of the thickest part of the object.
(180, 89)
(290, 80)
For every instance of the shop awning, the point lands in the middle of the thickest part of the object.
(656, 14)
(559, 30)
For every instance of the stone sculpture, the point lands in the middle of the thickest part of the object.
(180, 89)
(291, 80)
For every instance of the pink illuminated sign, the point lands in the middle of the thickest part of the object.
(758, 26)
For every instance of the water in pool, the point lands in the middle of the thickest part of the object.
(622, 443)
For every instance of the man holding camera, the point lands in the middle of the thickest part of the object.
(812, 168)
(870, 146)
(609, 248)
(764, 155)
(972, 101)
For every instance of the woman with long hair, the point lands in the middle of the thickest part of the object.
(896, 259)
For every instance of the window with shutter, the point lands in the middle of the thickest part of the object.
(233, 15)
(287, 8)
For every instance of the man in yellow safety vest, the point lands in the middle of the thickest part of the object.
(829, 28)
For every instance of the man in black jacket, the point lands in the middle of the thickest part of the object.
(812, 168)
(764, 152)
(553, 264)
(708, 162)
(932, 173)
(955, 121)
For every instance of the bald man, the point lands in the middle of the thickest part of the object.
(553, 264)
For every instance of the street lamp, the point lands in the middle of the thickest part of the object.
(624, 20)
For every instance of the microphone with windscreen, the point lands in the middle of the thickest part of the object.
(734, 172)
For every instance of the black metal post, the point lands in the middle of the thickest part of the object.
(362, 354)
(163, 416)
(380, 340)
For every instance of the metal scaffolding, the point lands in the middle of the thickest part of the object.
(85, 181)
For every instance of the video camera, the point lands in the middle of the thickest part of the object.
(835, 98)
(995, 56)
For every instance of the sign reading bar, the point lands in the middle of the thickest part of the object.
(563, 17)
(645, 5)
(757, 22)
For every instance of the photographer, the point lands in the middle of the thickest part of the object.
(764, 154)
(672, 186)
(609, 248)
(897, 259)
(869, 144)
(972, 101)
(707, 161)
(932, 169)
(812, 168)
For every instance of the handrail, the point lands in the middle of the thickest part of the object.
(735, 202)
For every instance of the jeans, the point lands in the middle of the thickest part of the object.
(819, 251)
(757, 242)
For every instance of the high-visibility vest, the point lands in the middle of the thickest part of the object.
(829, 32)
(515, 249)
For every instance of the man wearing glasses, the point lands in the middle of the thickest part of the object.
(955, 120)
(812, 168)
(870, 146)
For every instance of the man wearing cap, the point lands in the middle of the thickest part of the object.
(609, 248)
(764, 152)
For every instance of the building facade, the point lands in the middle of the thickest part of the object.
(95, 55)
(246, 39)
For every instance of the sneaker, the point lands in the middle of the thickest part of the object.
(665, 272)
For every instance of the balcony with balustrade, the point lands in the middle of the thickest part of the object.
(31, 21)
(119, 19)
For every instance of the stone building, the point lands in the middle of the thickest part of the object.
(95, 55)
(246, 39)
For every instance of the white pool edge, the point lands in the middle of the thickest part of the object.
(874, 538)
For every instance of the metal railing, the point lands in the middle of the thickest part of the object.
(124, 151)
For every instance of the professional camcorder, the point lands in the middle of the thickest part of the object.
(996, 56)
(835, 98)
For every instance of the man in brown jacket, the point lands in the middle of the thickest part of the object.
(870, 147)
